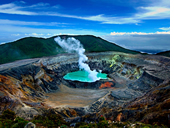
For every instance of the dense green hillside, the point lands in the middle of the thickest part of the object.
(32, 47)
(165, 53)
(29, 47)
(97, 44)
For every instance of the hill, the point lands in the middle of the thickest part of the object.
(32, 47)
(165, 53)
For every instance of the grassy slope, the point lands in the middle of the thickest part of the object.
(97, 44)
(29, 47)
(166, 53)
(32, 47)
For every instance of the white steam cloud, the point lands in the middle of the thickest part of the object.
(72, 45)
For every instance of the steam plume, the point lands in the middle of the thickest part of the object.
(72, 45)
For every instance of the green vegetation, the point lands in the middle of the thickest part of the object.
(8, 119)
(28, 48)
(8, 114)
(31, 47)
(97, 44)
(19, 123)
(50, 120)
(86, 125)
(102, 123)
(165, 53)
(142, 125)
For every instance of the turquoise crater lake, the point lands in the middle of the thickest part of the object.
(82, 76)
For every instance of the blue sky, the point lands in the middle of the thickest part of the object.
(134, 24)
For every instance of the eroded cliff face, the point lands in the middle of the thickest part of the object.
(138, 88)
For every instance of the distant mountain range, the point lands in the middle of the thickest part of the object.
(32, 47)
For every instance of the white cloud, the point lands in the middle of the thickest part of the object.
(20, 32)
(164, 3)
(12, 8)
(141, 42)
(164, 28)
(137, 18)
(111, 20)
(29, 30)
(23, 2)
(38, 5)
(43, 5)
(138, 33)
(16, 22)
(21, 9)
(35, 34)
(166, 32)
(159, 11)
(154, 12)
(15, 34)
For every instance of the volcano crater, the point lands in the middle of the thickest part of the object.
(39, 83)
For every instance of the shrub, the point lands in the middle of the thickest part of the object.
(79, 124)
(119, 125)
(7, 118)
(7, 123)
(8, 114)
(84, 126)
(102, 124)
(101, 118)
(19, 123)
(92, 125)
(49, 120)
(0, 124)
(63, 126)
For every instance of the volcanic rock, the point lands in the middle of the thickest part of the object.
(30, 125)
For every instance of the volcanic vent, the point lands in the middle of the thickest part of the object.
(85, 74)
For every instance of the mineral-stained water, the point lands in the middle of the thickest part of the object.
(82, 76)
